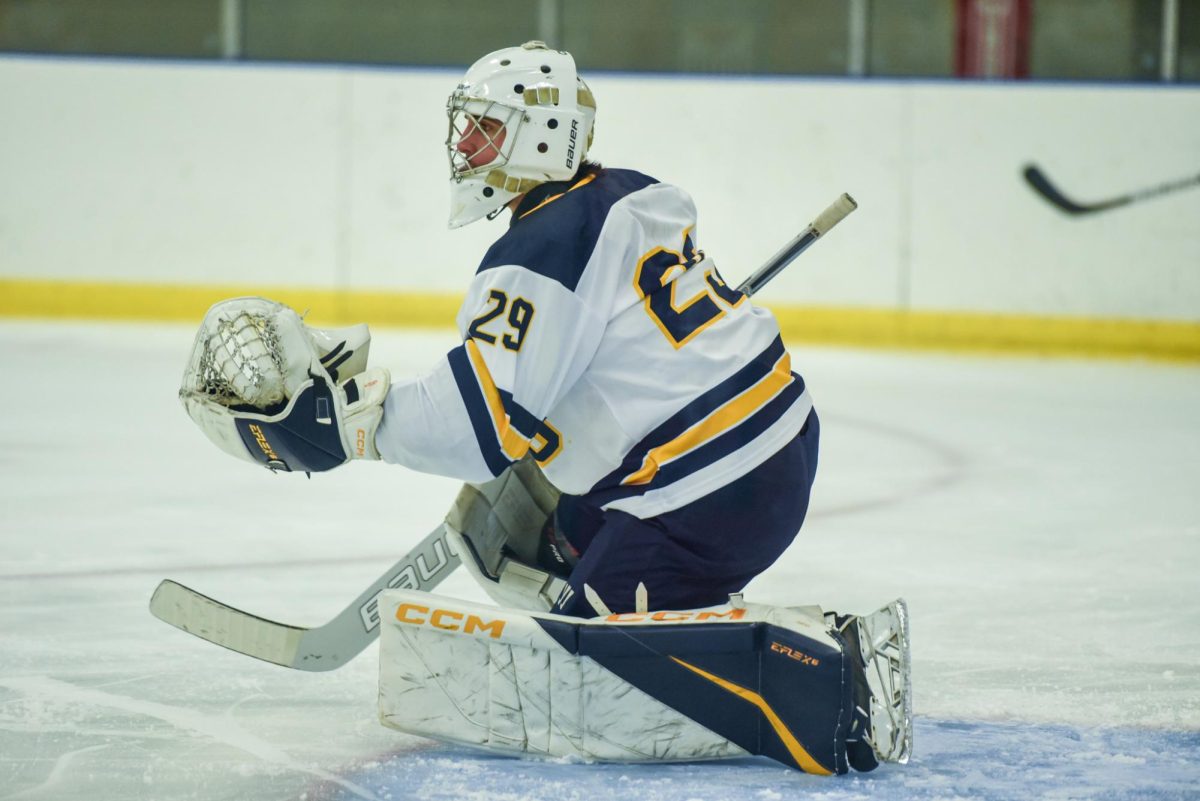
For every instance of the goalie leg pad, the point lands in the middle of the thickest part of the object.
(658, 686)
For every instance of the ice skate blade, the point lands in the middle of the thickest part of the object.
(884, 642)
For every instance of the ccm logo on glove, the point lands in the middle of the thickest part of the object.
(448, 620)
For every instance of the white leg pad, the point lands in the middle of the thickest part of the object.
(518, 681)
(520, 692)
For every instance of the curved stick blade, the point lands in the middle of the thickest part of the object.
(1038, 181)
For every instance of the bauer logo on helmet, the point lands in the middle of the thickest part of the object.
(571, 147)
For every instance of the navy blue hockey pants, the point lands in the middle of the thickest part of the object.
(695, 555)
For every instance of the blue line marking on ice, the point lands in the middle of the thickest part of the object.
(952, 760)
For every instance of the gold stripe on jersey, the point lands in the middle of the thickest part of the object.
(514, 444)
(721, 420)
(553, 198)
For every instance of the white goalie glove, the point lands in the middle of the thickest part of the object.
(265, 387)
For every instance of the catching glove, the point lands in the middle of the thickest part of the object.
(264, 387)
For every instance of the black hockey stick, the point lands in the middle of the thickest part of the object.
(1041, 184)
(335, 643)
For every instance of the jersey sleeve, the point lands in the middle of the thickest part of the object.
(527, 338)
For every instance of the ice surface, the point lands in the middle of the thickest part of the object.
(1041, 518)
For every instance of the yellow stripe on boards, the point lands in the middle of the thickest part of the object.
(964, 332)
(801, 756)
(514, 445)
(992, 334)
(720, 420)
(186, 303)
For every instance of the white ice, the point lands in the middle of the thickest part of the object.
(1041, 517)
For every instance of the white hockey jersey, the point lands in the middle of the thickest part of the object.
(600, 339)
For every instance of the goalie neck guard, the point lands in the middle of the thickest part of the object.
(545, 114)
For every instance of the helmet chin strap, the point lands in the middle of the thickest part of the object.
(494, 213)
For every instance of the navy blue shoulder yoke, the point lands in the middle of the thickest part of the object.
(556, 226)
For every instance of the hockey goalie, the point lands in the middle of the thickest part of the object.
(817, 691)
(636, 448)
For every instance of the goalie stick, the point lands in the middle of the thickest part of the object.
(833, 215)
(335, 643)
(1041, 184)
(315, 649)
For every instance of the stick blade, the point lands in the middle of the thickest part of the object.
(1038, 181)
(1041, 184)
(209, 619)
(315, 649)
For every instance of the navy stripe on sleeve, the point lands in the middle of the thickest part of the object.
(477, 410)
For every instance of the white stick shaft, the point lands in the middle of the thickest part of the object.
(836, 212)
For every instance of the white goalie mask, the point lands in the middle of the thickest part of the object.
(520, 117)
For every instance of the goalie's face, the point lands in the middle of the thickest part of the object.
(481, 143)
(477, 141)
